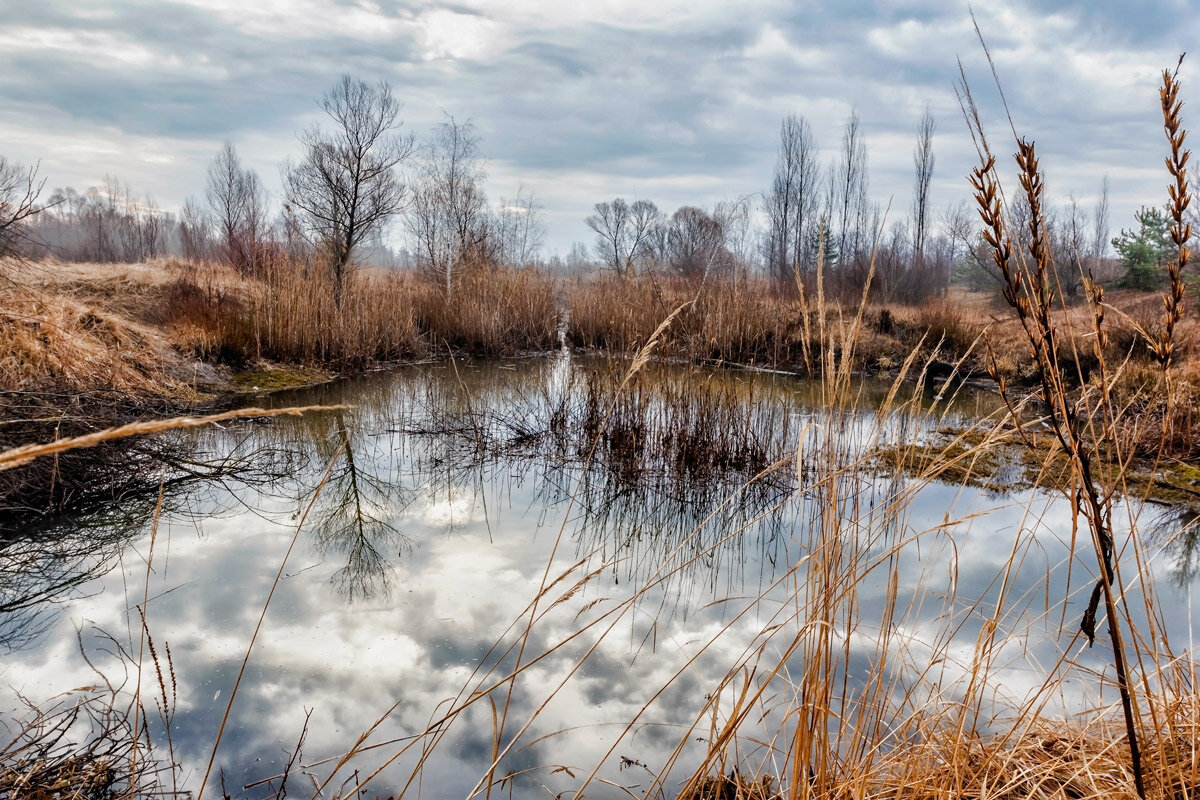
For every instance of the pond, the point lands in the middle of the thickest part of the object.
(662, 536)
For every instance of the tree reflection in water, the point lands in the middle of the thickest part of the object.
(352, 519)
(685, 467)
(41, 569)
(1177, 531)
(48, 561)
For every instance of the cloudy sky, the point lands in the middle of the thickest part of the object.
(675, 101)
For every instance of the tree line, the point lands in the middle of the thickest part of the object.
(338, 198)
(358, 172)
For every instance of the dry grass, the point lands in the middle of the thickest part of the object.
(288, 314)
(87, 744)
(52, 340)
(493, 312)
(732, 319)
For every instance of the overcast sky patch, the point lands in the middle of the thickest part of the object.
(677, 101)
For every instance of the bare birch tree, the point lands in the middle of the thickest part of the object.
(519, 228)
(449, 217)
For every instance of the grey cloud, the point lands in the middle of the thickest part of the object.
(612, 83)
(1111, 21)
(570, 62)
(267, 82)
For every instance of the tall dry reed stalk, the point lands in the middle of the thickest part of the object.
(1084, 422)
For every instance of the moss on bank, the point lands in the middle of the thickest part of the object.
(267, 377)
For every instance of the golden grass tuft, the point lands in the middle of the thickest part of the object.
(492, 311)
(51, 340)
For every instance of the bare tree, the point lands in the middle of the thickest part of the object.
(1069, 247)
(95, 212)
(141, 227)
(577, 258)
(195, 231)
(346, 186)
(643, 217)
(694, 242)
(107, 223)
(19, 192)
(610, 222)
(449, 217)
(850, 191)
(1100, 227)
(736, 218)
(623, 231)
(519, 228)
(291, 234)
(923, 161)
(971, 264)
(792, 202)
(238, 207)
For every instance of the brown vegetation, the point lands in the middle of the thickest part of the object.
(156, 331)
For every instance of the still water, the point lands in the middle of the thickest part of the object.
(412, 530)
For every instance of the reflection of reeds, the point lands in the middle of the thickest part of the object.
(685, 423)
(88, 744)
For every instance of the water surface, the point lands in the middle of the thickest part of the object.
(423, 520)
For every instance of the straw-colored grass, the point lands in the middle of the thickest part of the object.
(52, 340)
(492, 312)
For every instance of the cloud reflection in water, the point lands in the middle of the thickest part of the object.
(431, 536)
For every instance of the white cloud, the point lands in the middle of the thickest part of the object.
(454, 36)
(98, 47)
(302, 19)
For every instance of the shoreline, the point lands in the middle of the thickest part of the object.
(99, 345)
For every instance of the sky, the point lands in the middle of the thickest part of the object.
(674, 101)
